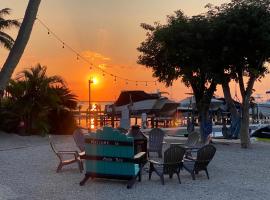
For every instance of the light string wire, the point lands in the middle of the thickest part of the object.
(79, 56)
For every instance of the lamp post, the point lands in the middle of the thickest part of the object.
(90, 81)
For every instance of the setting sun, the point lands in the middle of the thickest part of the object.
(95, 80)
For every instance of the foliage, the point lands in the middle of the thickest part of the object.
(242, 28)
(6, 40)
(33, 96)
(183, 48)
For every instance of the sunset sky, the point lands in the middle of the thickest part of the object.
(107, 33)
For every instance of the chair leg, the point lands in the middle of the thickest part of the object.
(131, 182)
(162, 179)
(160, 154)
(59, 167)
(206, 171)
(178, 176)
(80, 165)
(193, 175)
(84, 180)
(140, 175)
(171, 176)
(151, 169)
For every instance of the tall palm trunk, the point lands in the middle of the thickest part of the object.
(17, 50)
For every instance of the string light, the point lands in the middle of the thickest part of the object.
(79, 56)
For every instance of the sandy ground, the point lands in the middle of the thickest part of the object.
(27, 171)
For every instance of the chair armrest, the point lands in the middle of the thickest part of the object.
(177, 144)
(155, 162)
(139, 155)
(69, 152)
(82, 153)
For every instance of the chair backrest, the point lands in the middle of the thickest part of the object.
(193, 139)
(174, 154)
(78, 136)
(204, 156)
(156, 136)
(109, 152)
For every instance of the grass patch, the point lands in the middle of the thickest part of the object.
(263, 139)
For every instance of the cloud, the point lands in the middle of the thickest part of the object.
(96, 58)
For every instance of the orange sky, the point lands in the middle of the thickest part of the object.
(107, 33)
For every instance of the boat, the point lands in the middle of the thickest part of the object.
(263, 132)
(139, 102)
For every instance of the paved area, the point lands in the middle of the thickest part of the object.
(27, 171)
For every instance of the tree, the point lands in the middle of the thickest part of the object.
(34, 95)
(243, 27)
(183, 49)
(20, 43)
(6, 40)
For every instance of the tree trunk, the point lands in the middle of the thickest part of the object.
(205, 124)
(17, 50)
(235, 115)
(244, 131)
(246, 94)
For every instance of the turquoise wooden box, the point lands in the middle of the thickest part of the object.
(110, 154)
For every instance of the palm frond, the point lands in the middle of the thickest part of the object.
(6, 40)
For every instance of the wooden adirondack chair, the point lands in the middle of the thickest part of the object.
(62, 154)
(204, 155)
(173, 162)
(78, 136)
(193, 140)
(156, 136)
(110, 154)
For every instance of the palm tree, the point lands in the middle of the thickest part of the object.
(20, 43)
(6, 40)
(34, 96)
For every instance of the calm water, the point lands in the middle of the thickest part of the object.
(82, 121)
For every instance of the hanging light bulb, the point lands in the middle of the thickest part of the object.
(103, 73)
(63, 45)
(136, 83)
(115, 79)
(126, 82)
(77, 57)
(146, 83)
(48, 32)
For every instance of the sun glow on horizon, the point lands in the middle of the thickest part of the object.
(95, 80)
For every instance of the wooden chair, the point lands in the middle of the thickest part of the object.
(78, 136)
(62, 154)
(204, 155)
(173, 162)
(192, 141)
(156, 136)
(110, 154)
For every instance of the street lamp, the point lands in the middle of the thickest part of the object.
(90, 81)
